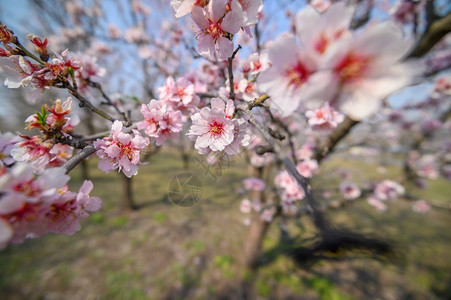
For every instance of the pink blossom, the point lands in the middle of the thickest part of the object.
(320, 5)
(240, 137)
(421, 206)
(245, 206)
(247, 89)
(136, 35)
(21, 193)
(388, 190)
(307, 167)
(324, 118)
(350, 191)
(160, 121)
(184, 7)
(306, 152)
(33, 150)
(19, 72)
(255, 63)
(7, 142)
(288, 80)
(120, 150)
(377, 204)
(261, 160)
(256, 205)
(138, 7)
(31, 206)
(250, 10)
(215, 130)
(180, 94)
(114, 32)
(254, 184)
(90, 71)
(289, 207)
(291, 191)
(211, 130)
(64, 213)
(59, 155)
(403, 11)
(368, 69)
(268, 214)
(215, 27)
(442, 86)
(320, 32)
(427, 167)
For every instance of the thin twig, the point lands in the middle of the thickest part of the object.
(230, 69)
(85, 102)
(76, 159)
(98, 86)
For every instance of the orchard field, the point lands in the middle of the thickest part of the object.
(163, 251)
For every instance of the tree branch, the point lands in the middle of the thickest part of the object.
(332, 140)
(431, 36)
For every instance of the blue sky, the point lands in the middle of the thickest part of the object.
(15, 14)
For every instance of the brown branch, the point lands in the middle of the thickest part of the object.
(85, 102)
(98, 86)
(229, 68)
(76, 159)
(431, 36)
(332, 140)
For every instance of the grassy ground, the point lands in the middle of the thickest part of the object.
(164, 251)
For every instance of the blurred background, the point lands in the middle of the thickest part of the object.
(142, 245)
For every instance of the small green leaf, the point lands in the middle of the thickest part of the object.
(71, 71)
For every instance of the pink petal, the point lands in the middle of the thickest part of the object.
(206, 47)
(216, 10)
(197, 14)
(225, 48)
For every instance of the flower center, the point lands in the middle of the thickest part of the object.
(321, 44)
(28, 188)
(352, 67)
(214, 30)
(216, 128)
(297, 75)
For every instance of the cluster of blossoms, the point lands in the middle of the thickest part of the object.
(45, 150)
(350, 191)
(244, 84)
(425, 166)
(255, 186)
(217, 22)
(31, 206)
(160, 121)
(352, 71)
(21, 72)
(291, 192)
(324, 118)
(45, 71)
(120, 150)
(216, 130)
(404, 11)
(385, 191)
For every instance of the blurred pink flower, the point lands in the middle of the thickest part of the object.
(254, 184)
(120, 150)
(215, 26)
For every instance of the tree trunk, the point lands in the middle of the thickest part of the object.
(257, 229)
(127, 201)
(254, 241)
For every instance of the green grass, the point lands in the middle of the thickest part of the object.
(165, 251)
